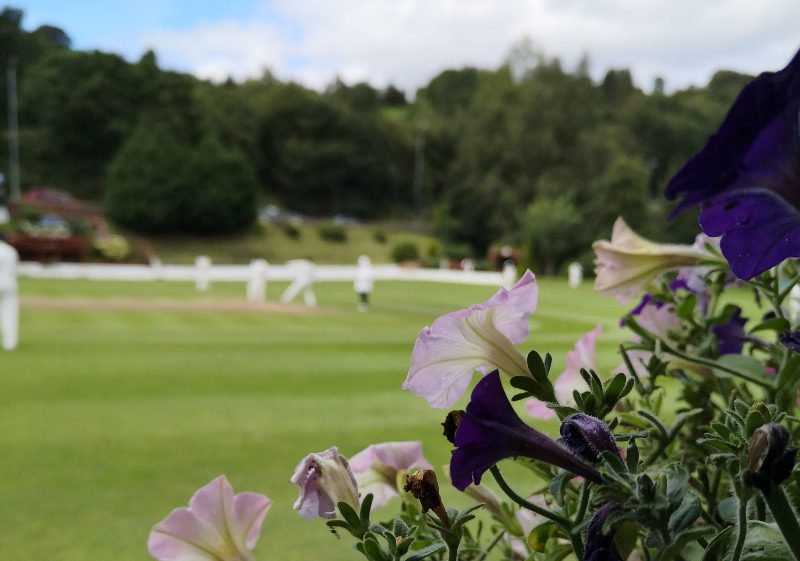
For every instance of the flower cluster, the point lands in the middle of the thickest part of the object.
(685, 451)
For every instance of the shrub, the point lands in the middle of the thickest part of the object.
(113, 247)
(292, 232)
(380, 236)
(160, 182)
(332, 232)
(405, 251)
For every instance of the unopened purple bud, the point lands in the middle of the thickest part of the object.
(587, 437)
(600, 546)
(791, 340)
(769, 459)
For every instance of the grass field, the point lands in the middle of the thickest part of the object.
(112, 418)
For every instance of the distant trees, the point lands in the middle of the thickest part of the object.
(529, 153)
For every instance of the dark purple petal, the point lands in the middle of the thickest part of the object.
(587, 437)
(491, 431)
(730, 335)
(599, 546)
(791, 340)
(646, 299)
(758, 229)
(720, 162)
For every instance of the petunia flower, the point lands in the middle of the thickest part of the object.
(325, 480)
(747, 176)
(730, 335)
(790, 340)
(217, 526)
(376, 468)
(628, 263)
(581, 356)
(491, 431)
(480, 338)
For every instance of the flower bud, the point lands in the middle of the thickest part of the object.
(325, 480)
(587, 437)
(600, 546)
(425, 488)
(451, 423)
(769, 461)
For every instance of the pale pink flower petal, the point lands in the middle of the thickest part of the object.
(376, 468)
(581, 356)
(217, 526)
(325, 479)
(627, 263)
(480, 338)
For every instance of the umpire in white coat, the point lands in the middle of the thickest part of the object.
(9, 298)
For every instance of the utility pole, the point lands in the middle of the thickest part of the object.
(13, 130)
(419, 171)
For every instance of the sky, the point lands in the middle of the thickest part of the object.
(407, 42)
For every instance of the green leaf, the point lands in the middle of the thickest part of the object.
(632, 457)
(715, 551)
(753, 420)
(728, 509)
(742, 363)
(614, 389)
(537, 367)
(774, 324)
(539, 536)
(765, 542)
(349, 514)
(686, 308)
(421, 554)
(682, 539)
(614, 462)
(677, 484)
(366, 507)
(558, 486)
(686, 513)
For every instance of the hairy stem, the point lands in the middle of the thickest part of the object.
(742, 527)
(785, 518)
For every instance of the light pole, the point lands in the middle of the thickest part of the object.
(13, 130)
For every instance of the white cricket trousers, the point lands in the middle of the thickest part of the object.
(9, 318)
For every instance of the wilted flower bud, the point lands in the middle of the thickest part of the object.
(587, 437)
(600, 546)
(325, 480)
(769, 461)
(424, 486)
(791, 340)
(451, 423)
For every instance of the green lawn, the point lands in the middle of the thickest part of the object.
(110, 419)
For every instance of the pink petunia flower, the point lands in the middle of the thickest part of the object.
(581, 356)
(325, 480)
(217, 526)
(626, 264)
(480, 338)
(377, 467)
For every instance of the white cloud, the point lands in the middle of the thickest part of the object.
(408, 41)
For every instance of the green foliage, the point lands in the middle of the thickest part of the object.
(550, 227)
(380, 236)
(405, 251)
(330, 232)
(159, 182)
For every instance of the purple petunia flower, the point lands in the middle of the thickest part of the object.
(491, 431)
(730, 335)
(791, 340)
(747, 176)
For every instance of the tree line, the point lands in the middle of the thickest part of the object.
(530, 154)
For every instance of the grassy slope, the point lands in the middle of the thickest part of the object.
(274, 246)
(111, 419)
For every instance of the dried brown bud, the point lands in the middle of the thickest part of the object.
(451, 423)
(425, 488)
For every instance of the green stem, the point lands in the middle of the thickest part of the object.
(557, 518)
(583, 502)
(711, 364)
(493, 543)
(785, 518)
(737, 551)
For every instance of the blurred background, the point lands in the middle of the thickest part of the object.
(447, 134)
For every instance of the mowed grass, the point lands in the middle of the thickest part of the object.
(110, 419)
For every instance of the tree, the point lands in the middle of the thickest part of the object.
(160, 183)
(550, 226)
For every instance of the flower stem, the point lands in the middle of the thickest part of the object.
(785, 518)
(493, 543)
(711, 364)
(583, 502)
(737, 551)
(557, 518)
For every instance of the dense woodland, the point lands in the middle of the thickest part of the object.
(531, 153)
